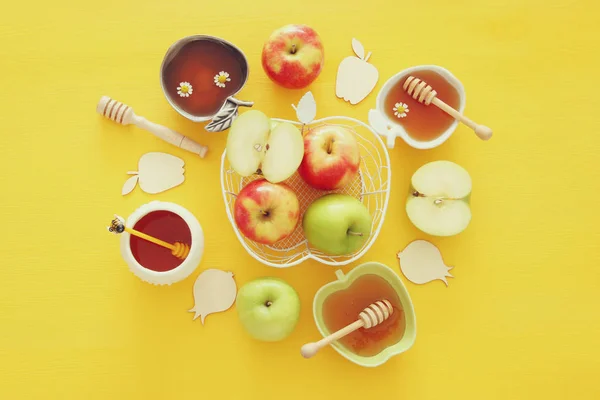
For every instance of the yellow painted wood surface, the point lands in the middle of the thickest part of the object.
(520, 320)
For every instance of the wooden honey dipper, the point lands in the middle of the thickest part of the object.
(179, 250)
(124, 115)
(424, 94)
(371, 316)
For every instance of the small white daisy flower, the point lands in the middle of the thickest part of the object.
(400, 110)
(221, 78)
(184, 89)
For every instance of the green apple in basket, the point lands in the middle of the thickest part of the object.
(337, 224)
(255, 145)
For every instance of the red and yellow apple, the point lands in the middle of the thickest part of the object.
(266, 212)
(331, 157)
(293, 56)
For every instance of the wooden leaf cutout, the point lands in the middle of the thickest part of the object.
(422, 262)
(358, 48)
(224, 118)
(214, 291)
(306, 111)
(129, 185)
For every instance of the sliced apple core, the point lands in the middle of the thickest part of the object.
(283, 153)
(446, 218)
(246, 142)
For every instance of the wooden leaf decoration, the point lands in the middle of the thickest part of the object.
(306, 111)
(129, 185)
(224, 118)
(358, 48)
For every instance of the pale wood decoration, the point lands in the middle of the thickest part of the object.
(424, 94)
(422, 262)
(124, 115)
(371, 316)
(157, 172)
(356, 77)
(214, 291)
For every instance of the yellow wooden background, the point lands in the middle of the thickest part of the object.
(520, 320)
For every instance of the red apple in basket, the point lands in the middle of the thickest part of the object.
(293, 56)
(266, 212)
(331, 157)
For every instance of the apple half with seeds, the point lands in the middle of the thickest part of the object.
(439, 199)
(255, 145)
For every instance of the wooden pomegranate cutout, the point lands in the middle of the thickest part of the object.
(214, 291)
(422, 262)
(356, 78)
(157, 172)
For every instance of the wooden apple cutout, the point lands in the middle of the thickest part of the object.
(255, 145)
(422, 262)
(356, 78)
(214, 291)
(157, 172)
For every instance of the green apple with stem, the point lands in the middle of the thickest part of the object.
(439, 199)
(337, 224)
(268, 308)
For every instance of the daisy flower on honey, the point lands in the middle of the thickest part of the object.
(184, 89)
(221, 78)
(400, 110)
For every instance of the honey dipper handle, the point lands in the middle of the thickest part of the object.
(170, 136)
(310, 349)
(483, 132)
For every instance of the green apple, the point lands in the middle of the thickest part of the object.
(439, 199)
(268, 308)
(337, 224)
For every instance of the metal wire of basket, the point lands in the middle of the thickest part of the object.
(371, 186)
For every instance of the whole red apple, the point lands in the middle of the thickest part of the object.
(293, 56)
(331, 157)
(266, 212)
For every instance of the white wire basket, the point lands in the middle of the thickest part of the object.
(371, 186)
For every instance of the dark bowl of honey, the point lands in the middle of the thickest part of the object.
(200, 75)
(338, 304)
(420, 126)
(170, 223)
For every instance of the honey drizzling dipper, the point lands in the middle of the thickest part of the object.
(179, 250)
(124, 115)
(424, 94)
(371, 316)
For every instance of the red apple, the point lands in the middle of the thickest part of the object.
(293, 56)
(266, 212)
(331, 157)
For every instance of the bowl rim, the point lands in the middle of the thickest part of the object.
(345, 280)
(183, 270)
(177, 45)
(399, 129)
(311, 256)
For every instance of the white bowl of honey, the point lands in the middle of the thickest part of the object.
(397, 114)
(339, 303)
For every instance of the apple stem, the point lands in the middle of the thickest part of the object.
(293, 51)
(268, 303)
(351, 233)
(367, 57)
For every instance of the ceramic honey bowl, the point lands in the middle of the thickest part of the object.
(169, 223)
(199, 76)
(421, 126)
(339, 303)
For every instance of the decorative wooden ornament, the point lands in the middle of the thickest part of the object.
(157, 172)
(356, 78)
(422, 262)
(306, 110)
(214, 291)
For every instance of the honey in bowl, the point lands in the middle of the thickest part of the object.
(422, 122)
(343, 308)
(214, 71)
(163, 225)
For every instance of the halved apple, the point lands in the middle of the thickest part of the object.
(255, 145)
(439, 199)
